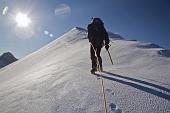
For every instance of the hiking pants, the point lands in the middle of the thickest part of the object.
(94, 58)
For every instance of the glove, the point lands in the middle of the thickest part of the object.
(107, 47)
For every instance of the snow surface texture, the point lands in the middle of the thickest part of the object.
(57, 79)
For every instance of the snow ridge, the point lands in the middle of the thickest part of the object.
(56, 78)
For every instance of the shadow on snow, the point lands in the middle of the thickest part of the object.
(138, 86)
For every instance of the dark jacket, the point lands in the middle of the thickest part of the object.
(97, 35)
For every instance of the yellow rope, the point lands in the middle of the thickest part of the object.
(102, 81)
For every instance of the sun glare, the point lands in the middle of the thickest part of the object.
(22, 20)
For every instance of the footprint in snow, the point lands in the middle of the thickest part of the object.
(114, 108)
(110, 91)
(118, 111)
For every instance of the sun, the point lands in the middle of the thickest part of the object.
(22, 20)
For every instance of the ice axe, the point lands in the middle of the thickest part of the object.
(110, 56)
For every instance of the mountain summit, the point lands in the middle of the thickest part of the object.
(57, 78)
(6, 58)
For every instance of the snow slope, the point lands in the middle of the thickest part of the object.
(56, 78)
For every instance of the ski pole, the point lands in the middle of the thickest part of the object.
(110, 57)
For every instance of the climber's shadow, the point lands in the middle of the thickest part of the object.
(126, 80)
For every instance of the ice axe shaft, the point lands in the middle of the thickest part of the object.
(110, 57)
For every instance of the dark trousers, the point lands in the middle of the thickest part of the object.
(94, 58)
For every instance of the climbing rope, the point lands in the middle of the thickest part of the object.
(102, 81)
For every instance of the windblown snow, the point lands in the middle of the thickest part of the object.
(57, 78)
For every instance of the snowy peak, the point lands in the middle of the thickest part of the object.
(7, 54)
(75, 33)
(111, 35)
(160, 50)
(77, 30)
(165, 53)
(80, 29)
(115, 36)
(6, 58)
(148, 45)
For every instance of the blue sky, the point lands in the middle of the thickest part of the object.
(144, 20)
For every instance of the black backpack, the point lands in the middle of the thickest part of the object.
(96, 32)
